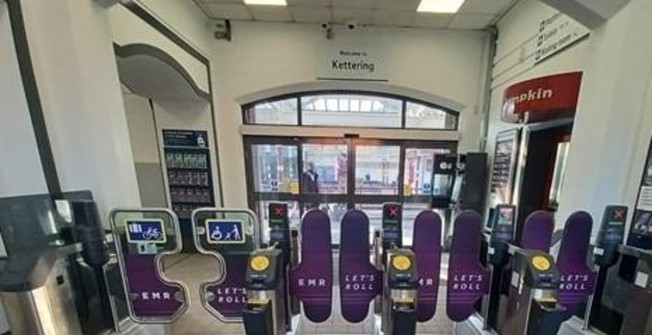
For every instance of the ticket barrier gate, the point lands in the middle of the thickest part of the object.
(408, 295)
(265, 311)
(400, 293)
(577, 280)
(143, 236)
(622, 302)
(538, 311)
(496, 290)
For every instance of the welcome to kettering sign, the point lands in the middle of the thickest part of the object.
(351, 61)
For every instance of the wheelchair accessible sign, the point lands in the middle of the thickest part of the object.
(146, 231)
(225, 232)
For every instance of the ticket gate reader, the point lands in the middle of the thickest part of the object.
(605, 255)
(400, 294)
(265, 311)
(537, 308)
(501, 236)
(392, 227)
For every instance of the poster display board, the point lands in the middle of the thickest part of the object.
(504, 165)
(188, 166)
(640, 235)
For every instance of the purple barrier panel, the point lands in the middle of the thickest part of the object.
(577, 279)
(537, 232)
(312, 280)
(468, 280)
(427, 249)
(360, 281)
(150, 296)
(537, 235)
(229, 297)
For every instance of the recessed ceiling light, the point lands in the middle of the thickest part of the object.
(266, 2)
(440, 6)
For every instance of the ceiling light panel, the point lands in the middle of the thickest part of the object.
(440, 6)
(266, 2)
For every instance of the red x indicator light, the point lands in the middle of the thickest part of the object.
(619, 214)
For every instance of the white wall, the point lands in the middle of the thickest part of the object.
(127, 28)
(184, 18)
(21, 171)
(514, 61)
(614, 120)
(264, 56)
(72, 52)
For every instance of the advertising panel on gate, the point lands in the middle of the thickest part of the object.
(542, 99)
(640, 234)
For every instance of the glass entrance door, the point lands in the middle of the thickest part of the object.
(336, 175)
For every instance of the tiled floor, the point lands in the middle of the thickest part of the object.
(197, 321)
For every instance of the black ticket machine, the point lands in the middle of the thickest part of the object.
(264, 313)
(400, 294)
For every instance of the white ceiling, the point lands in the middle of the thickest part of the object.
(474, 14)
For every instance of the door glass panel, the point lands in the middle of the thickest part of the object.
(275, 168)
(418, 172)
(294, 214)
(376, 170)
(325, 168)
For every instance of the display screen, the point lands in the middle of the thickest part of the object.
(505, 216)
(392, 235)
(457, 189)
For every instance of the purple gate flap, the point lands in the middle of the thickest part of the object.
(427, 249)
(537, 232)
(312, 280)
(151, 296)
(360, 281)
(468, 280)
(230, 296)
(577, 279)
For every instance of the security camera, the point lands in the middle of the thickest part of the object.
(351, 24)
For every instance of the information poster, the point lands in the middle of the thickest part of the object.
(641, 229)
(504, 166)
(188, 164)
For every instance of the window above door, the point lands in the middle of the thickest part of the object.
(350, 109)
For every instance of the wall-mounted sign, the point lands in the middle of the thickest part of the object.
(542, 99)
(350, 61)
(557, 33)
(640, 235)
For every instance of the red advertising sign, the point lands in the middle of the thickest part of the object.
(542, 99)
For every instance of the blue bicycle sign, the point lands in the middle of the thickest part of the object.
(224, 232)
(146, 231)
